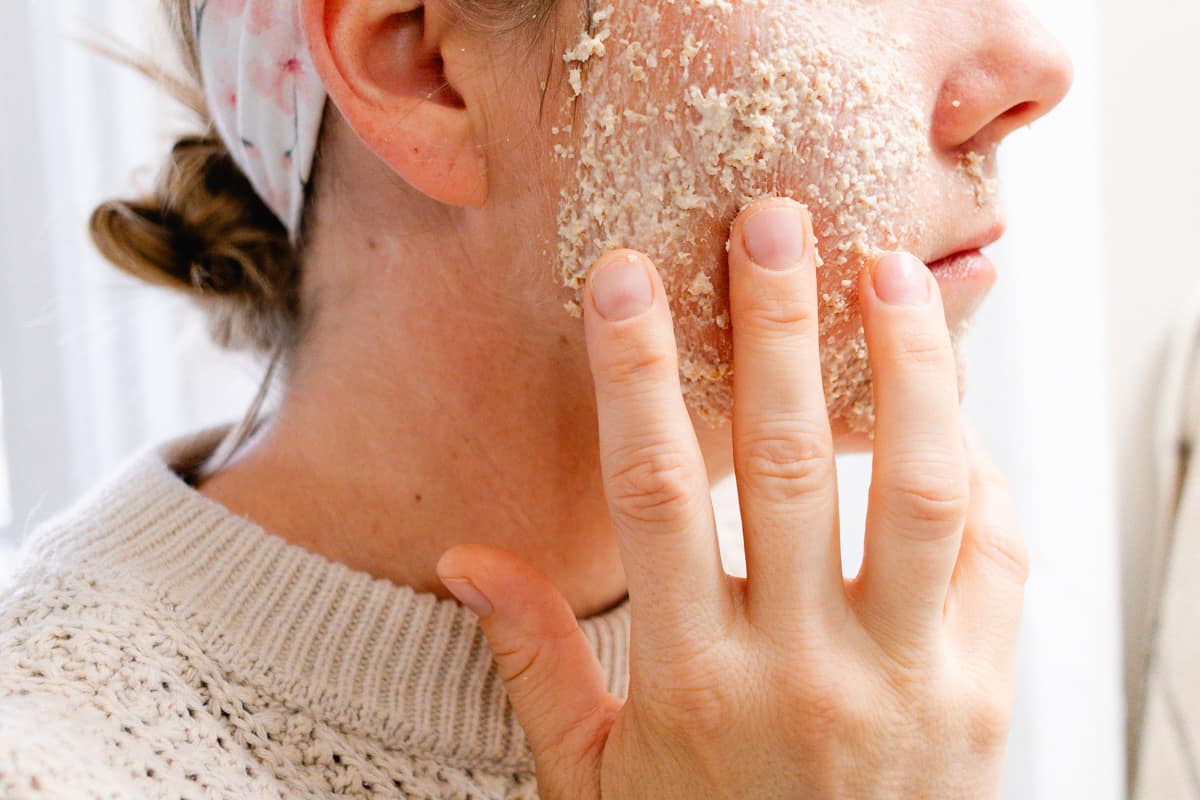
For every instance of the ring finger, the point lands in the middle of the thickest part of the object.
(919, 477)
(783, 446)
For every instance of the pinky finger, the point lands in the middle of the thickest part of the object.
(988, 588)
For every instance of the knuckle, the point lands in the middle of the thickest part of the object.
(634, 362)
(776, 316)
(688, 691)
(929, 492)
(819, 699)
(1004, 549)
(520, 662)
(925, 350)
(532, 655)
(988, 721)
(696, 705)
(653, 484)
(788, 461)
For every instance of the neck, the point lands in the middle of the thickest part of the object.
(422, 420)
(439, 397)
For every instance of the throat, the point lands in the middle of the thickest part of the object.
(345, 493)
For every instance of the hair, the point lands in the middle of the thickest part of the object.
(204, 231)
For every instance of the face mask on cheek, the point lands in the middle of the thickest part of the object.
(683, 112)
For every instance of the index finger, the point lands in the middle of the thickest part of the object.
(654, 475)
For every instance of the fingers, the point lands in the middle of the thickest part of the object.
(654, 474)
(549, 668)
(919, 485)
(783, 445)
(989, 580)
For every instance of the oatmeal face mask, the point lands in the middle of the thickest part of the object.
(682, 112)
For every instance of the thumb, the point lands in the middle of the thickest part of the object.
(554, 682)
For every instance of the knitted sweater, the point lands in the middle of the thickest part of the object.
(155, 645)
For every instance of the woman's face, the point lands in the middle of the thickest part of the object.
(882, 116)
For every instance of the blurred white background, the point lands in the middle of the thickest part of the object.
(1101, 196)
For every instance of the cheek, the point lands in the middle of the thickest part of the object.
(680, 113)
(704, 336)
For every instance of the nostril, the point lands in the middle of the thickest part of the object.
(1021, 111)
(1014, 118)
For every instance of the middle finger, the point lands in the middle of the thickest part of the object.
(783, 446)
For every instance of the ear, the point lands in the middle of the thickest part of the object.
(381, 62)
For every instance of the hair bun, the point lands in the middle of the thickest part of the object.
(205, 231)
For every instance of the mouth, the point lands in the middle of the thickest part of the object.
(966, 275)
(962, 264)
(968, 249)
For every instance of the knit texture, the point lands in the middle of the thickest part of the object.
(155, 645)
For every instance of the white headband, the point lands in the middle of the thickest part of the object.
(263, 95)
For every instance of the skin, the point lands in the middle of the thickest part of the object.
(379, 456)
(895, 685)
(941, 96)
(442, 397)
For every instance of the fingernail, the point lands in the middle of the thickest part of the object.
(468, 595)
(901, 280)
(621, 288)
(777, 237)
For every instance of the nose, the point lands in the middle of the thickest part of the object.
(1013, 72)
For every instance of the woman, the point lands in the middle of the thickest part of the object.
(403, 202)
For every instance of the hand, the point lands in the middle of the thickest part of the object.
(793, 682)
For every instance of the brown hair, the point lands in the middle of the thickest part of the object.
(203, 229)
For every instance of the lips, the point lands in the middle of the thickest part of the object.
(986, 237)
(960, 263)
(964, 279)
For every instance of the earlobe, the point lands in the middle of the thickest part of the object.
(382, 65)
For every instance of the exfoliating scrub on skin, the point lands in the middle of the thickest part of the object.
(681, 113)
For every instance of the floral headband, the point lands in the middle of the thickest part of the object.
(263, 94)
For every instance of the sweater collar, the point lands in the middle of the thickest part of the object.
(380, 660)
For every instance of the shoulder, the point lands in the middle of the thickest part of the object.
(68, 646)
(51, 749)
(60, 747)
(60, 627)
(87, 640)
(97, 701)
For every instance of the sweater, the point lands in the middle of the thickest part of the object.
(155, 645)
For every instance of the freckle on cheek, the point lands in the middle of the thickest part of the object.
(678, 114)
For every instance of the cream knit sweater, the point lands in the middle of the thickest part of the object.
(155, 645)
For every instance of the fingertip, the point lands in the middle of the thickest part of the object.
(619, 254)
(755, 206)
(469, 595)
(627, 324)
(505, 581)
(899, 279)
(774, 233)
(479, 562)
(449, 564)
(621, 285)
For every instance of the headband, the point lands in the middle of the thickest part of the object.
(263, 94)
